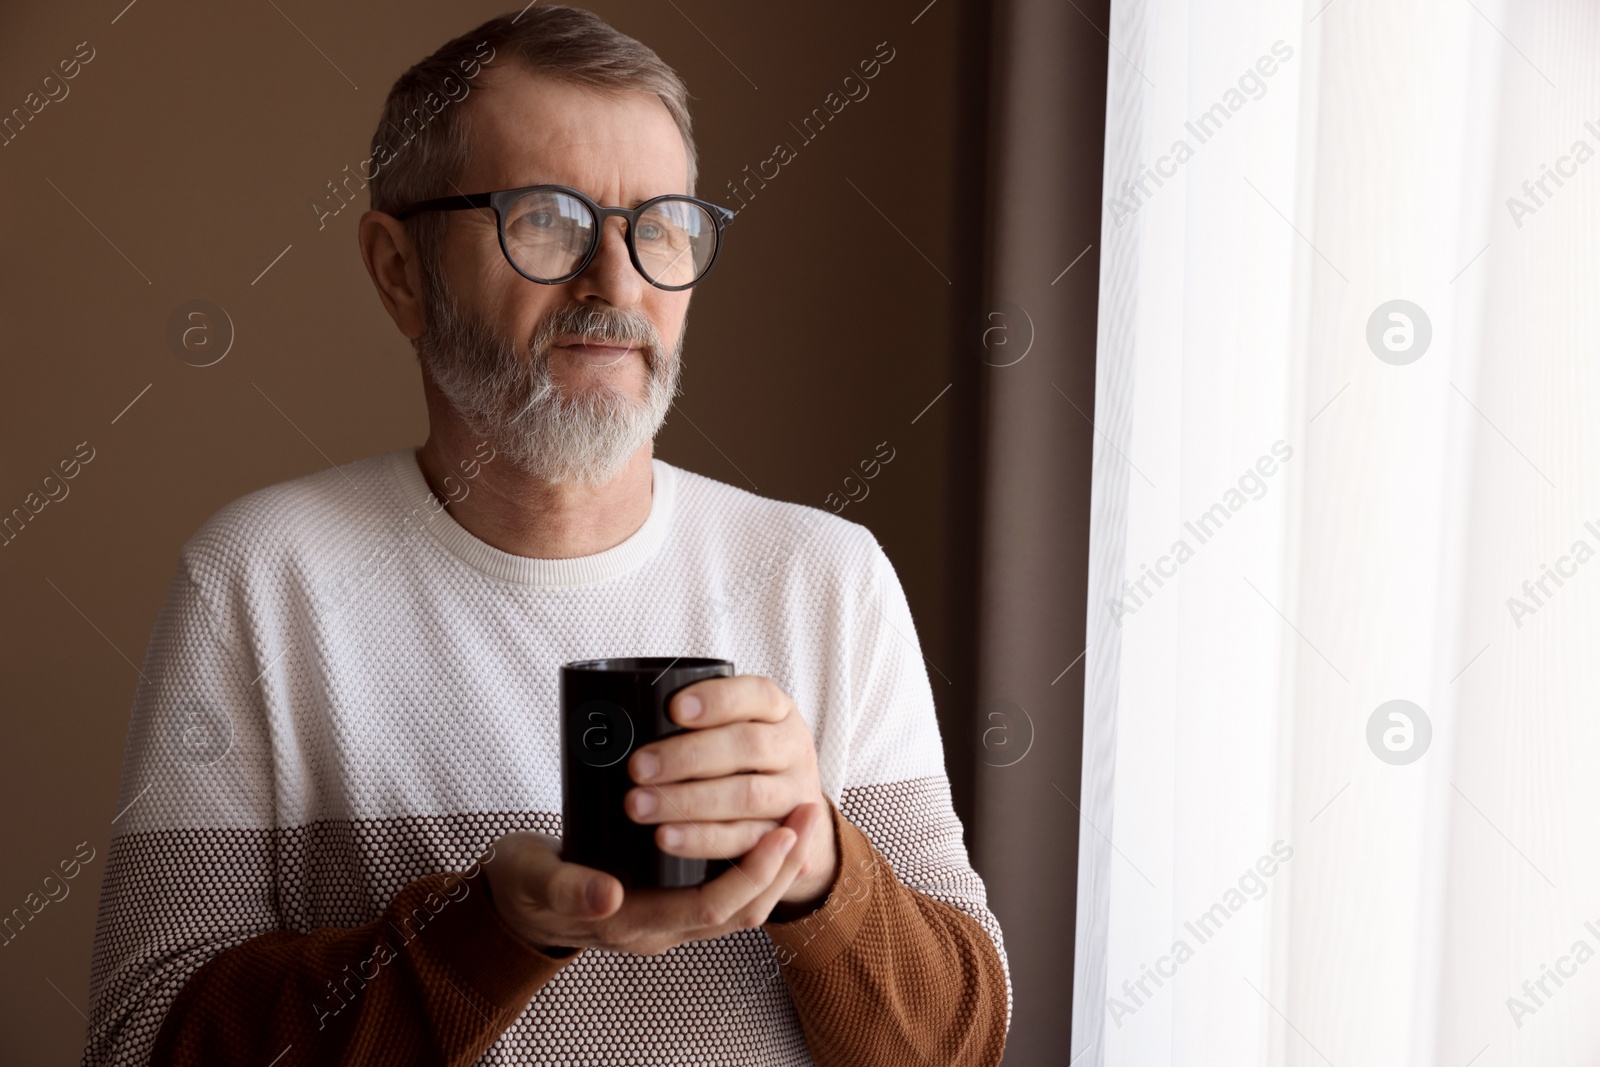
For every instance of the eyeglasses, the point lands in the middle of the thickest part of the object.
(550, 233)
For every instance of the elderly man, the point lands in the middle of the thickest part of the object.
(341, 804)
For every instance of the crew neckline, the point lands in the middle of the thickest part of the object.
(614, 562)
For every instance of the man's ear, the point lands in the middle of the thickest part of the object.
(392, 264)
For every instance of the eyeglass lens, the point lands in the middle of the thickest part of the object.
(549, 232)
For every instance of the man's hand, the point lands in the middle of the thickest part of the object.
(745, 764)
(741, 781)
(555, 904)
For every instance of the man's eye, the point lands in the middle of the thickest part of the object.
(650, 231)
(540, 219)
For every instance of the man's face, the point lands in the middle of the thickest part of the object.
(567, 380)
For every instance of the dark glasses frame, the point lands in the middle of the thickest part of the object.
(501, 199)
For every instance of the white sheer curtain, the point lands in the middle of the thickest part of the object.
(1311, 501)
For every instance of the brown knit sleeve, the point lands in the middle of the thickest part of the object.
(883, 974)
(435, 979)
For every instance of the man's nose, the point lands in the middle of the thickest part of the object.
(611, 276)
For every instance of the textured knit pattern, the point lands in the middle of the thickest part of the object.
(348, 696)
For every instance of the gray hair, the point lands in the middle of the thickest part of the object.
(421, 145)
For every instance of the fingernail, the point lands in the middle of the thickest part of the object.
(647, 765)
(672, 837)
(689, 707)
(595, 894)
(789, 842)
(644, 803)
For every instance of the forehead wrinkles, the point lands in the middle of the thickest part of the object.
(528, 127)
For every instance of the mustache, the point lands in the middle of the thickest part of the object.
(468, 335)
(503, 386)
(606, 325)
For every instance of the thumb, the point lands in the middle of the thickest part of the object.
(806, 818)
(580, 892)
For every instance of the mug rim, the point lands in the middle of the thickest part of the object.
(643, 664)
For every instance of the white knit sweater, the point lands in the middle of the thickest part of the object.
(346, 691)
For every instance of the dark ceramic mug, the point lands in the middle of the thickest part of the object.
(610, 707)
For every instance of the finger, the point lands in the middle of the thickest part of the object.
(712, 840)
(803, 821)
(726, 799)
(573, 890)
(744, 697)
(713, 753)
(716, 902)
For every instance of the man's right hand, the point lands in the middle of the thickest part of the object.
(552, 904)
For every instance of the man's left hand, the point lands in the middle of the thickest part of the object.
(744, 763)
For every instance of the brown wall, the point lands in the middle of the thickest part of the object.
(182, 162)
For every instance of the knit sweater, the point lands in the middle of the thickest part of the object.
(348, 698)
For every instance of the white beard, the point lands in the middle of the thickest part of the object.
(520, 409)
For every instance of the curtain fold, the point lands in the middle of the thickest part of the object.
(1339, 687)
(1031, 343)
